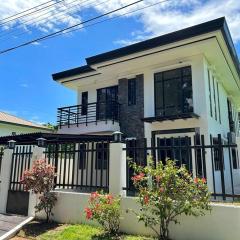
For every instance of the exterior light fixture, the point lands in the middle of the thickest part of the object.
(41, 142)
(117, 137)
(11, 144)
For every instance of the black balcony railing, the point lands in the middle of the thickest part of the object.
(88, 113)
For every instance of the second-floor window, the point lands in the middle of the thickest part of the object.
(230, 117)
(173, 92)
(132, 91)
(84, 103)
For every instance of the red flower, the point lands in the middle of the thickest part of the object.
(88, 212)
(146, 199)
(138, 177)
(109, 199)
(204, 180)
(161, 190)
(196, 180)
(93, 196)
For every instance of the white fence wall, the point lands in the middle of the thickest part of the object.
(221, 224)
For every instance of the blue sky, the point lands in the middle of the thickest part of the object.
(27, 89)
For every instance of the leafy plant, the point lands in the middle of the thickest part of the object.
(40, 180)
(105, 209)
(167, 191)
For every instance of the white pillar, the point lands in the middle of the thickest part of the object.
(5, 178)
(117, 169)
(38, 153)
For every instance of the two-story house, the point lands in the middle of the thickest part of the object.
(182, 82)
(166, 88)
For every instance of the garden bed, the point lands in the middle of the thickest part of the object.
(54, 231)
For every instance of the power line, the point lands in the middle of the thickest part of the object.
(59, 15)
(73, 28)
(109, 19)
(1, 20)
(32, 21)
(27, 14)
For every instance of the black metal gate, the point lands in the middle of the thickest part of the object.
(224, 174)
(18, 198)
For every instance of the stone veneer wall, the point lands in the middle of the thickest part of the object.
(131, 124)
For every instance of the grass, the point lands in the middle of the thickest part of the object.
(42, 231)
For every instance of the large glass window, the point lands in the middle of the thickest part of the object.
(173, 92)
(106, 102)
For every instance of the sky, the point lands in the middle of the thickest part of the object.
(26, 86)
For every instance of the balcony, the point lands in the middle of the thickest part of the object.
(89, 118)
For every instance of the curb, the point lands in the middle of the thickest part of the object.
(16, 229)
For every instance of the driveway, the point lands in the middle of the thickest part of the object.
(10, 224)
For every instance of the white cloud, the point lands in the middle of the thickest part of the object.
(168, 16)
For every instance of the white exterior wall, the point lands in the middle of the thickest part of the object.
(7, 129)
(221, 224)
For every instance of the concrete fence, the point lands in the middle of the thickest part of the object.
(221, 224)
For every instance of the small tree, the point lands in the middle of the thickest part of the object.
(40, 180)
(105, 209)
(167, 191)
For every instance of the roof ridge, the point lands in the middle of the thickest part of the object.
(22, 119)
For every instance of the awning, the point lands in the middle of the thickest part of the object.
(170, 118)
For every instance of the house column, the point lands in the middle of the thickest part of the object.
(5, 178)
(117, 168)
(38, 153)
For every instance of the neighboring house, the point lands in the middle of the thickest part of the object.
(178, 84)
(12, 125)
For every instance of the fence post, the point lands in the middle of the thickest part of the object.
(5, 178)
(221, 157)
(117, 168)
(38, 153)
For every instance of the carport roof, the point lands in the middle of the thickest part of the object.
(30, 138)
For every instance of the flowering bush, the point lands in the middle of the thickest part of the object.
(105, 209)
(40, 180)
(167, 191)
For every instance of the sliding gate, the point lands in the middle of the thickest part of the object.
(18, 198)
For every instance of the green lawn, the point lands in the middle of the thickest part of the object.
(41, 231)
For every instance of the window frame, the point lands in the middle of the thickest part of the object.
(181, 92)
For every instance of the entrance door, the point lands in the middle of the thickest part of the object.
(106, 103)
(175, 148)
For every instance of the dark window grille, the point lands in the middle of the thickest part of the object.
(84, 103)
(173, 92)
(132, 91)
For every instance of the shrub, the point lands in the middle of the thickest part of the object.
(105, 209)
(167, 191)
(40, 180)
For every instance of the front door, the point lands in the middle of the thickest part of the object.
(175, 148)
(106, 103)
